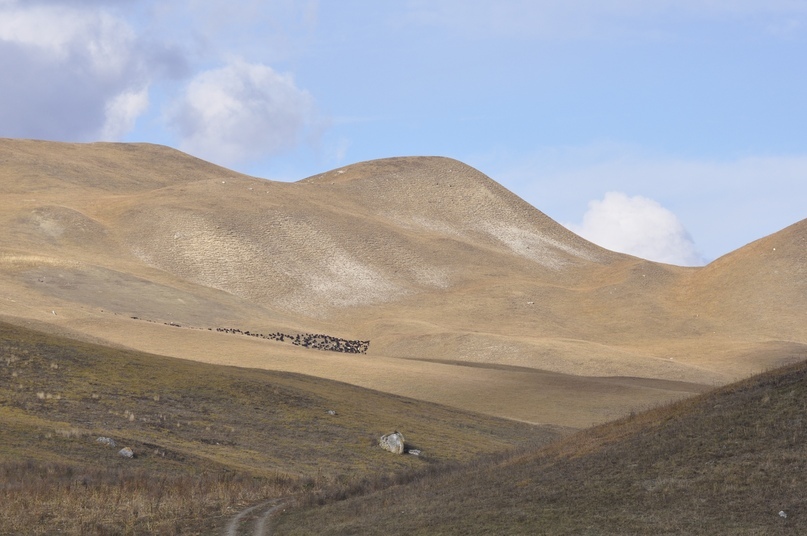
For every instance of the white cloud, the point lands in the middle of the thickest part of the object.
(268, 31)
(725, 204)
(83, 70)
(122, 111)
(240, 112)
(71, 71)
(638, 226)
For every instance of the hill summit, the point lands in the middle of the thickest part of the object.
(467, 295)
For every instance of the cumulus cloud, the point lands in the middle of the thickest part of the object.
(72, 71)
(725, 203)
(84, 70)
(240, 112)
(122, 111)
(638, 226)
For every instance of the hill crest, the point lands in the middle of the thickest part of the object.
(115, 168)
(431, 260)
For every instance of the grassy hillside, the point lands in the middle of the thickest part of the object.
(727, 462)
(433, 262)
(207, 439)
(471, 300)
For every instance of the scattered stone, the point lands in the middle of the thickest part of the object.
(413, 452)
(106, 441)
(783, 514)
(126, 452)
(331, 412)
(393, 442)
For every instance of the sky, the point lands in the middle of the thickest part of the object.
(674, 130)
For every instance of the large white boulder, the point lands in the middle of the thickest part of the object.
(393, 442)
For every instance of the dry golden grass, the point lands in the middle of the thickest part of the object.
(426, 257)
(53, 498)
(471, 299)
(208, 440)
(727, 462)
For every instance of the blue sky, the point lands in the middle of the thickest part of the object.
(672, 130)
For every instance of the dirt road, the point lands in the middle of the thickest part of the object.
(254, 520)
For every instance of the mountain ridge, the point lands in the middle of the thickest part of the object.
(426, 257)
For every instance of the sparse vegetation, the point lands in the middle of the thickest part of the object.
(472, 299)
(723, 463)
(207, 439)
(47, 498)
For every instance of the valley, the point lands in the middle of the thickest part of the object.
(422, 296)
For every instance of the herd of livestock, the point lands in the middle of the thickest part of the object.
(316, 341)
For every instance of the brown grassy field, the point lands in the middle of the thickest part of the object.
(433, 262)
(207, 439)
(727, 462)
(491, 328)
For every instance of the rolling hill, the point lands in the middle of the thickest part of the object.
(461, 287)
(727, 462)
(251, 339)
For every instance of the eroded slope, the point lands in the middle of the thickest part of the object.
(433, 262)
